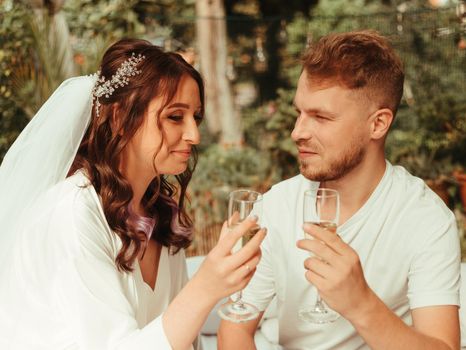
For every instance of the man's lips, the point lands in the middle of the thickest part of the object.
(305, 152)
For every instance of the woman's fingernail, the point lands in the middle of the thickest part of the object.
(254, 218)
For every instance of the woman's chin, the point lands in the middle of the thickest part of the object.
(175, 170)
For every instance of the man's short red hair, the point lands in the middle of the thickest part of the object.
(363, 61)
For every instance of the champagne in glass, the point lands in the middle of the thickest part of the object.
(327, 225)
(241, 205)
(321, 207)
(246, 237)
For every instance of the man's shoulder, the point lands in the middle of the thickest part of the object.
(289, 187)
(281, 201)
(417, 198)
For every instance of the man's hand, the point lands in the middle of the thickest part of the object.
(335, 270)
(337, 273)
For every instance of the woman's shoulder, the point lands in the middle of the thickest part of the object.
(177, 261)
(73, 196)
(71, 211)
(178, 257)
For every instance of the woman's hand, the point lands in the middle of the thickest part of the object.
(222, 273)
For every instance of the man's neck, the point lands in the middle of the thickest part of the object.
(357, 186)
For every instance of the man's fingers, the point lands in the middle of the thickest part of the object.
(315, 279)
(319, 249)
(318, 266)
(328, 237)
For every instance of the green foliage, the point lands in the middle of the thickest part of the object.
(428, 137)
(433, 119)
(15, 44)
(30, 62)
(96, 25)
(269, 157)
(297, 33)
(237, 167)
(338, 16)
(221, 170)
(111, 19)
(268, 129)
(429, 134)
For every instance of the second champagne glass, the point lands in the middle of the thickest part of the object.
(241, 204)
(321, 207)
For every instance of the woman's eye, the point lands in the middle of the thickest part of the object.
(176, 118)
(199, 118)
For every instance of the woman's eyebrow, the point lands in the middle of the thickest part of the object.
(178, 105)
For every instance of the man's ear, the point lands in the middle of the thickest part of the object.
(380, 123)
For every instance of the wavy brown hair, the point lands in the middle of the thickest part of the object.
(120, 116)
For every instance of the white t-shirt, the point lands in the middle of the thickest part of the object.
(406, 239)
(62, 289)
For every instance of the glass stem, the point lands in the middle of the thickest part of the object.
(319, 303)
(237, 298)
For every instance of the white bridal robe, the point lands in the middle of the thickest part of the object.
(62, 289)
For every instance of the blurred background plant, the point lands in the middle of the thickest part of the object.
(249, 52)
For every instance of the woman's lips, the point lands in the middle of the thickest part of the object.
(183, 153)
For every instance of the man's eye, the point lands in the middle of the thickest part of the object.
(176, 118)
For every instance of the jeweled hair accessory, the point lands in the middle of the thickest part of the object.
(119, 79)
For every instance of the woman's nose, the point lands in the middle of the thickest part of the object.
(191, 133)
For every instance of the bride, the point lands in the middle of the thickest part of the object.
(91, 250)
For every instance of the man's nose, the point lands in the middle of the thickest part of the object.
(301, 129)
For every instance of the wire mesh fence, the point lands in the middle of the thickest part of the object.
(431, 42)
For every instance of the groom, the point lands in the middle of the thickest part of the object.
(392, 272)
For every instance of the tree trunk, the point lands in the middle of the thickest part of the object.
(61, 35)
(58, 36)
(222, 118)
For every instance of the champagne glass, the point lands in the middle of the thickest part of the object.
(241, 204)
(321, 208)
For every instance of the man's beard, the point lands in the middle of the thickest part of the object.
(336, 168)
